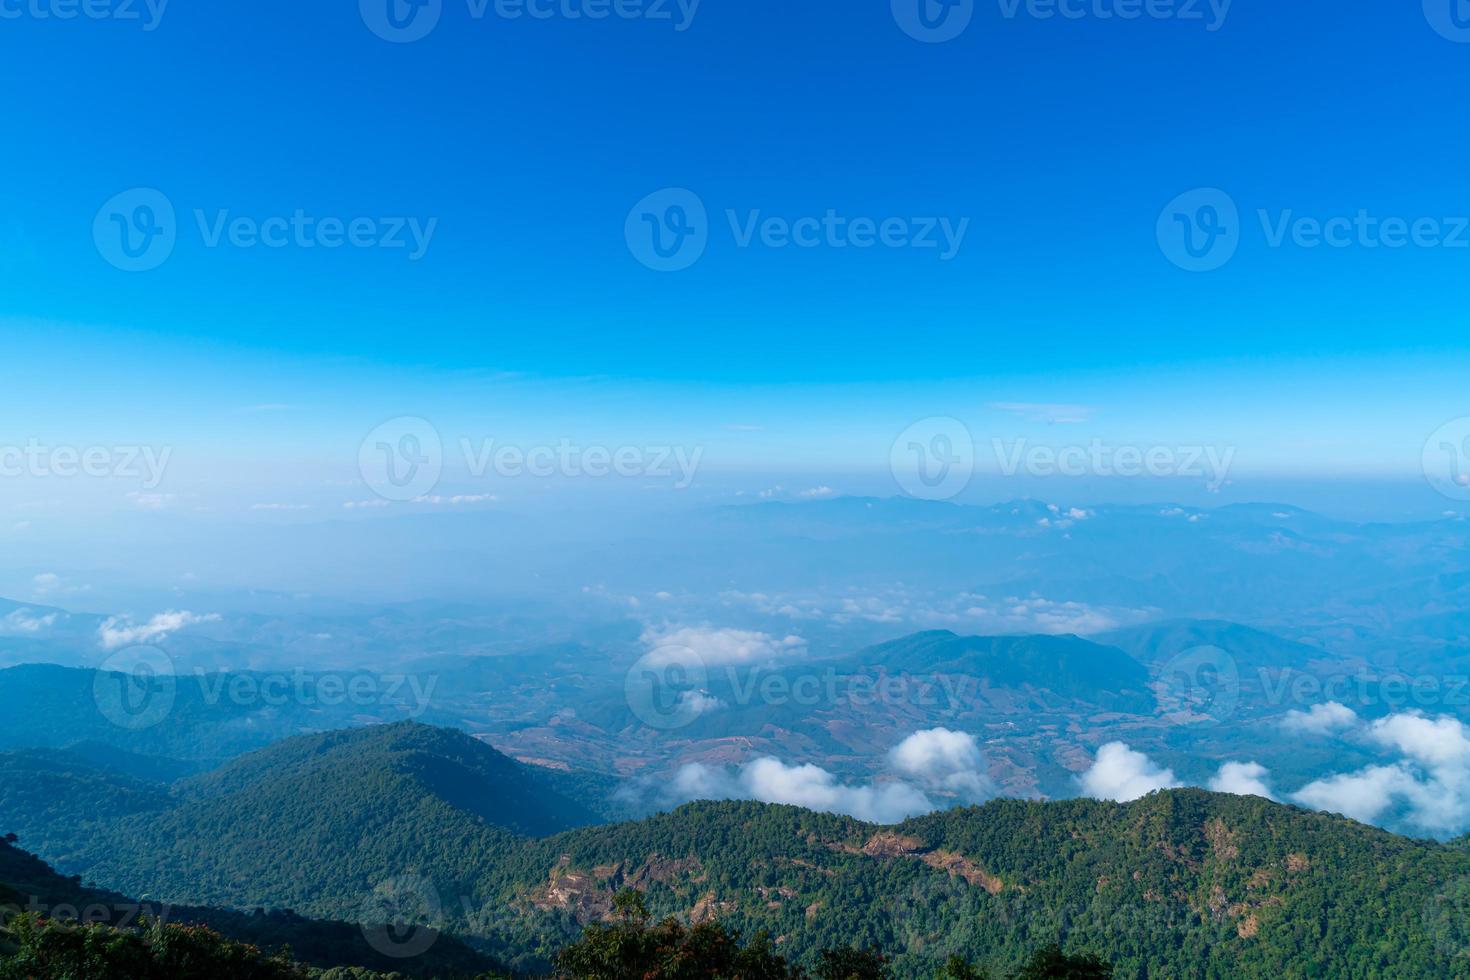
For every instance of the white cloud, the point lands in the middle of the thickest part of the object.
(51, 584)
(699, 703)
(716, 647)
(457, 500)
(770, 780)
(1049, 412)
(944, 760)
(26, 621)
(1429, 787)
(933, 761)
(151, 501)
(1361, 795)
(1119, 773)
(1322, 719)
(1438, 743)
(1242, 779)
(817, 493)
(361, 504)
(121, 631)
(280, 506)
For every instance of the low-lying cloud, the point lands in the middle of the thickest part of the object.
(1320, 719)
(1429, 786)
(122, 631)
(1119, 773)
(27, 621)
(922, 766)
(944, 760)
(1242, 779)
(714, 647)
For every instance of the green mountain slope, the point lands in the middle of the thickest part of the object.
(1180, 883)
(1183, 883)
(319, 822)
(28, 884)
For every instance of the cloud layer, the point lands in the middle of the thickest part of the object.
(714, 647)
(929, 762)
(122, 631)
(1121, 774)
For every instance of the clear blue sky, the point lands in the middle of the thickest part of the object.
(529, 141)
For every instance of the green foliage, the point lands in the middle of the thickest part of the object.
(43, 949)
(852, 964)
(1053, 964)
(1180, 883)
(628, 946)
(958, 968)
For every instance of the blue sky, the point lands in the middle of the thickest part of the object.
(526, 142)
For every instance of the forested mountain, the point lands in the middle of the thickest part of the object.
(1178, 883)
(286, 945)
(319, 820)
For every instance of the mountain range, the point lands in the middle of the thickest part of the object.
(325, 825)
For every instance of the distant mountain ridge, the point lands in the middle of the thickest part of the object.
(1068, 665)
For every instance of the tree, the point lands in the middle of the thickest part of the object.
(1050, 963)
(629, 946)
(958, 968)
(852, 964)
